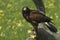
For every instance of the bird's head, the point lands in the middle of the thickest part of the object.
(25, 10)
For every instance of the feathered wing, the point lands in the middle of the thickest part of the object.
(51, 27)
(38, 17)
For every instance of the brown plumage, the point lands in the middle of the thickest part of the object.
(35, 17)
(38, 17)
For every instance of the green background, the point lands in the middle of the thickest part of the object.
(12, 24)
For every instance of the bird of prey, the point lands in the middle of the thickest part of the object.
(35, 17)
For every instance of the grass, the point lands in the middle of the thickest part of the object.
(12, 24)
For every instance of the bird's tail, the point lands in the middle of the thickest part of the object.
(51, 27)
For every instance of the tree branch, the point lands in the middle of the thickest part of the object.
(39, 5)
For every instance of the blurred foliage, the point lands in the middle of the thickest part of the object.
(12, 24)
